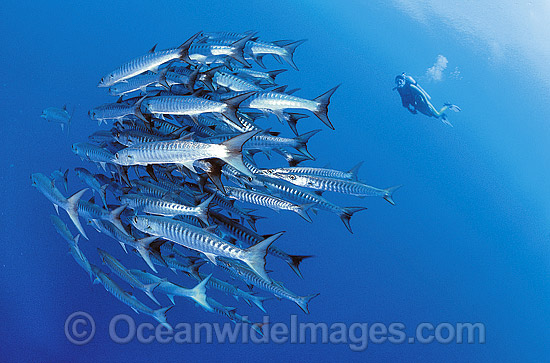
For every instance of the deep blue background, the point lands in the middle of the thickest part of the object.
(466, 242)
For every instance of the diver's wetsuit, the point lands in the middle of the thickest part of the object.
(415, 99)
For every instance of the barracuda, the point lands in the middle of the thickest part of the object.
(62, 176)
(138, 83)
(90, 210)
(231, 81)
(134, 137)
(257, 75)
(265, 141)
(234, 291)
(197, 294)
(75, 251)
(205, 242)
(140, 245)
(125, 274)
(185, 152)
(269, 201)
(136, 305)
(287, 190)
(194, 106)
(208, 53)
(90, 180)
(93, 153)
(147, 62)
(166, 208)
(70, 205)
(117, 111)
(230, 227)
(350, 187)
(241, 272)
(59, 116)
(276, 103)
(306, 170)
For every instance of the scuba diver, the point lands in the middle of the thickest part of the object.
(415, 99)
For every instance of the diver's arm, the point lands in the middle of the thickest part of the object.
(411, 109)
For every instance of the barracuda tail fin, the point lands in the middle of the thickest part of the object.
(322, 107)
(160, 315)
(303, 301)
(273, 74)
(302, 211)
(198, 293)
(255, 258)
(237, 50)
(302, 143)
(234, 148)
(207, 76)
(148, 290)
(214, 172)
(72, 210)
(203, 209)
(388, 193)
(289, 52)
(114, 218)
(143, 250)
(347, 213)
(184, 49)
(232, 106)
(292, 120)
(295, 261)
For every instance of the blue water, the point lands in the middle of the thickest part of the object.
(468, 240)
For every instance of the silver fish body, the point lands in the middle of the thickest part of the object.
(205, 242)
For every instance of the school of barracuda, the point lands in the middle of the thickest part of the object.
(187, 116)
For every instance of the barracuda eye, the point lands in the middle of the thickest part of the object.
(292, 177)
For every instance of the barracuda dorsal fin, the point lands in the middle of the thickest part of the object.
(353, 171)
(280, 89)
(152, 50)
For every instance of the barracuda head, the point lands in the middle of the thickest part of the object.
(299, 180)
(106, 81)
(141, 223)
(123, 158)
